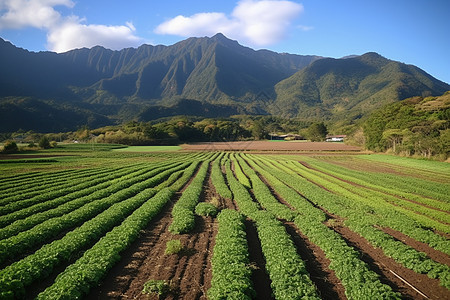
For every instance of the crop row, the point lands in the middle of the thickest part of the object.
(231, 274)
(219, 181)
(391, 184)
(361, 218)
(344, 259)
(26, 240)
(14, 278)
(375, 197)
(287, 271)
(405, 222)
(89, 191)
(35, 187)
(264, 195)
(26, 191)
(183, 217)
(393, 219)
(29, 177)
(72, 187)
(88, 270)
(240, 175)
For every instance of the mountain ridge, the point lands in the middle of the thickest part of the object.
(122, 85)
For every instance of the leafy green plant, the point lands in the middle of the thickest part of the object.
(173, 247)
(206, 209)
(159, 287)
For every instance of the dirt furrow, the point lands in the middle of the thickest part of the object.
(386, 268)
(317, 265)
(419, 246)
(260, 278)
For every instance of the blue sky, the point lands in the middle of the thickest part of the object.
(411, 31)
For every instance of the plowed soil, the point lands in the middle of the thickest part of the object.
(270, 146)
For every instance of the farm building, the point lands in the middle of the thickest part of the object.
(336, 138)
(286, 137)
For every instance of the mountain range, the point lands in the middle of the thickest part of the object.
(210, 77)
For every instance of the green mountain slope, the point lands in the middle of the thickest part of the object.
(101, 86)
(350, 88)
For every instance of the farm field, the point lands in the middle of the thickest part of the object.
(270, 146)
(101, 224)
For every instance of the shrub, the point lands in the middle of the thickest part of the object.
(159, 287)
(206, 209)
(10, 147)
(44, 142)
(173, 247)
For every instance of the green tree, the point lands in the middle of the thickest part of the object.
(10, 147)
(393, 138)
(258, 131)
(44, 143)
(317, 132)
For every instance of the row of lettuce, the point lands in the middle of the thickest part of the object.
(106, 224)
(103, 212)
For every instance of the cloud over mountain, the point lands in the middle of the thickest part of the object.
(259, 23)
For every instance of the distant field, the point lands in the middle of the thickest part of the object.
(148, 148)
(95, 223)
(271, 146)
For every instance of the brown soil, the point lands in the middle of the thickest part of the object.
(385, 267)
(269, 146)
(260, 278)
(189, 271)
(434, 254)
(317, 265)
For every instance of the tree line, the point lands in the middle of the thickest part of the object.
(413, 127)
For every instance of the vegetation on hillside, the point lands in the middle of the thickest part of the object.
(416, 126)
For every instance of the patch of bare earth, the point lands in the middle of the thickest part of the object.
(188, 272)
(270, 146)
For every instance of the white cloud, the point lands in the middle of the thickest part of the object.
(16, 14)
(73, 34)
(64, 33)
(260, 23)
